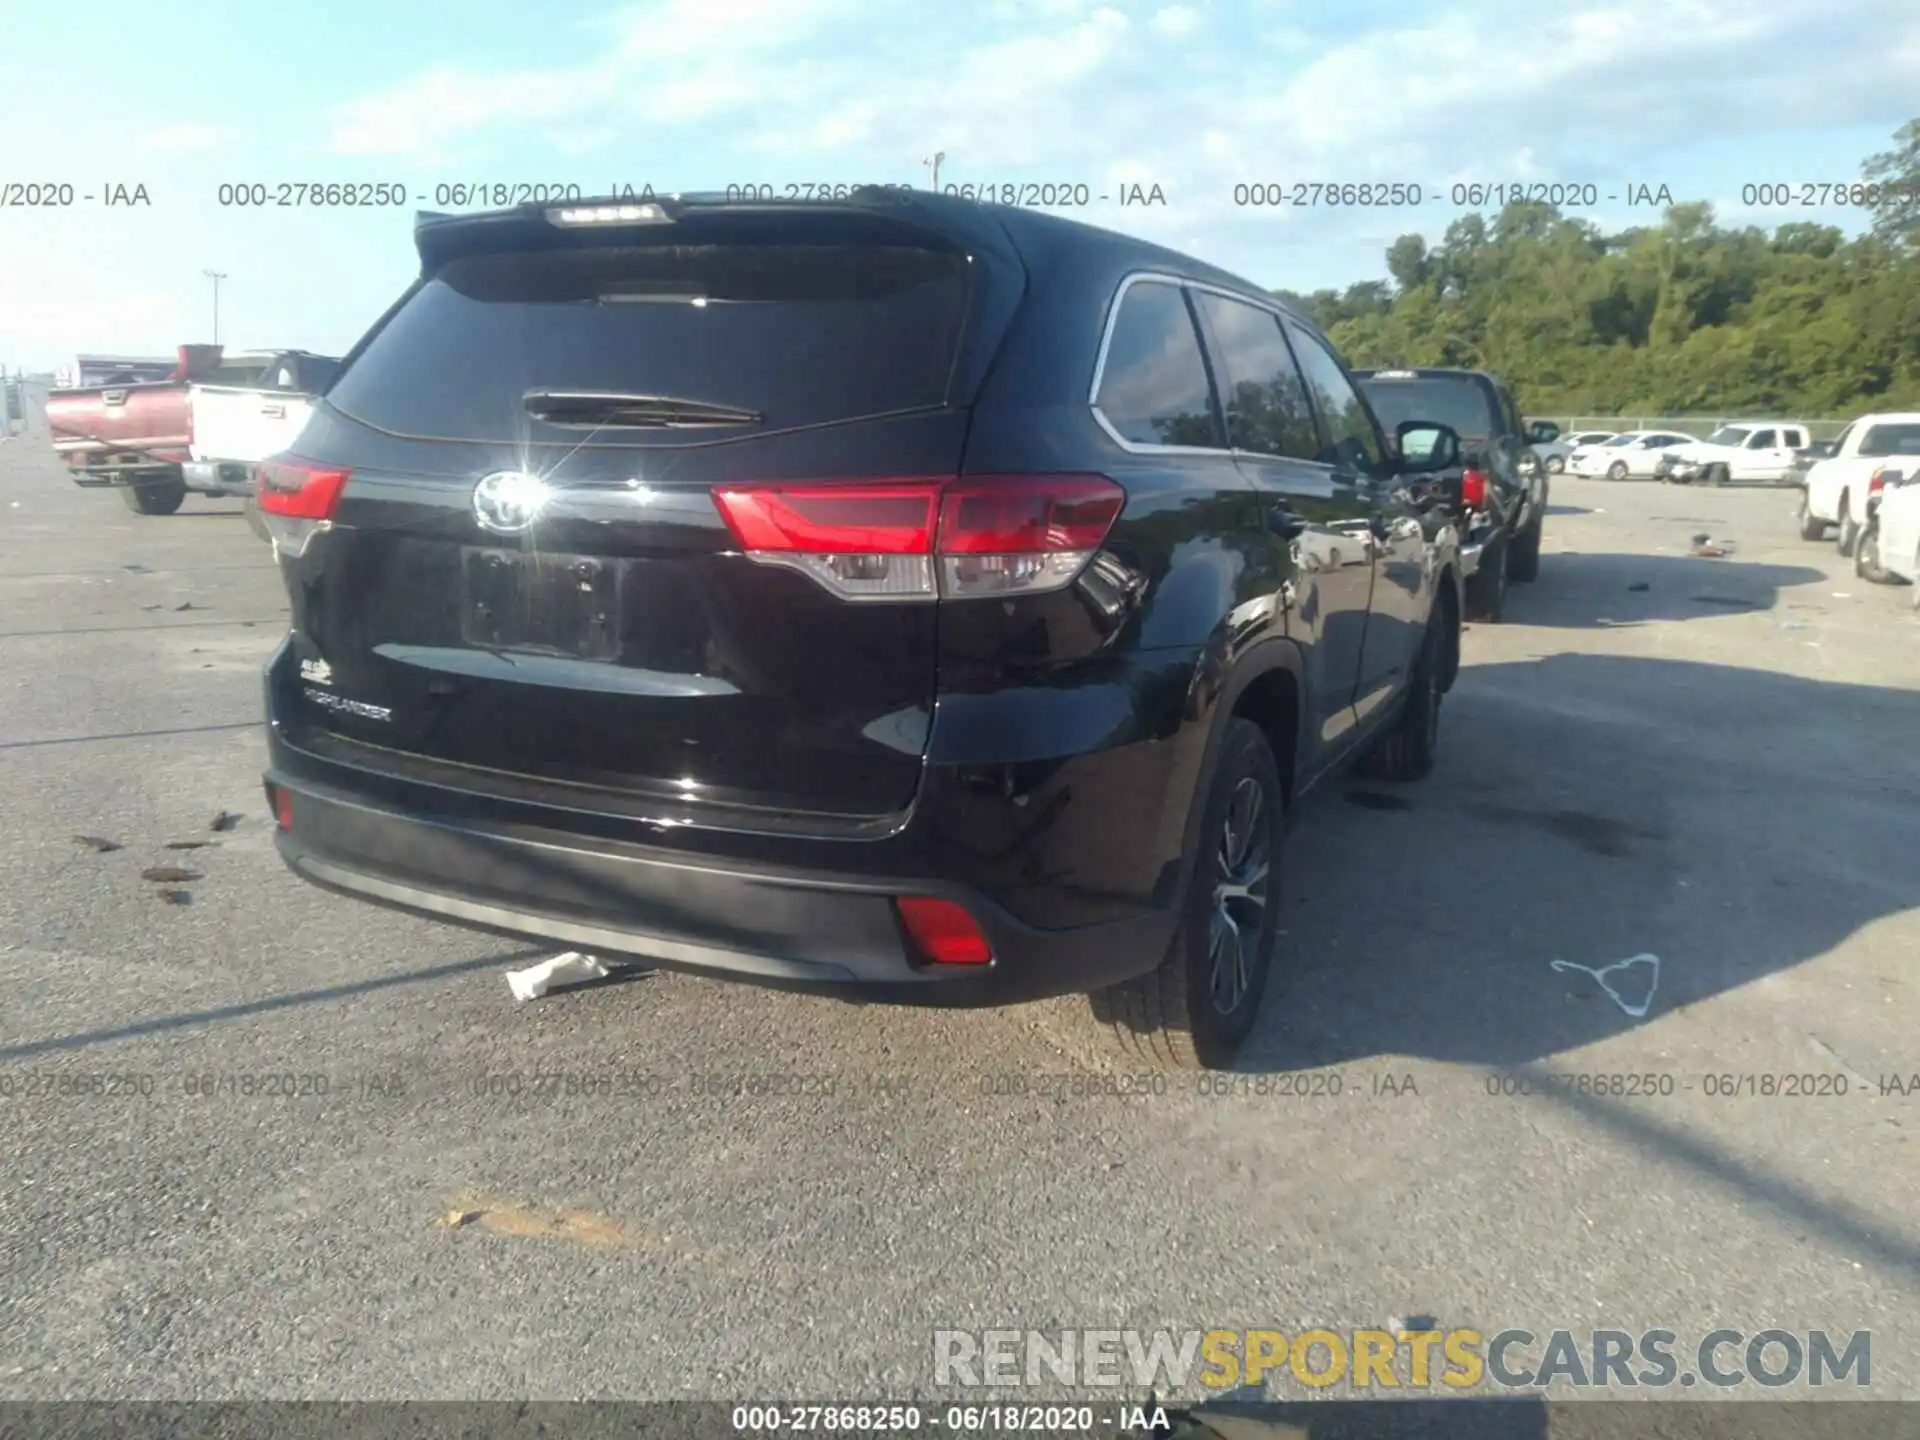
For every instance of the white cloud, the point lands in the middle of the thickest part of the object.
(177, 138)
(1176, 20)
(1061, 89)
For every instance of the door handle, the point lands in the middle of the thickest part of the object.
(274, 411)
(113, 397)
(1286, 522)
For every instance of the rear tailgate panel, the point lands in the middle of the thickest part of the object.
(89, 424)
(620, 646)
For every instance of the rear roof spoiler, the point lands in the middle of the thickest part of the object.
(707, 218)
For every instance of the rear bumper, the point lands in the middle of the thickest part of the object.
(770, 925)
(217, 477)
(1071, 856)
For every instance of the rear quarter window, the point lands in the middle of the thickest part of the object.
(1154, 388)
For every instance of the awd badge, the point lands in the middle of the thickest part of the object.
(317, 672)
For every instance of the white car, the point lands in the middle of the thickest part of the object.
(1751, 452)
(1837, 489)
(1629, 456)
(1889, 546)
(1555, 453)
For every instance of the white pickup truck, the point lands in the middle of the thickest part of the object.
(1747, 452)
(236, 426)
(1838, 489)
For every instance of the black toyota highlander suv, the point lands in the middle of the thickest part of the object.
(899, 598)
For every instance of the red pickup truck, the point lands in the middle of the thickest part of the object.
(135, 437)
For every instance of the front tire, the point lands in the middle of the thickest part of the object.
(1812, 527)
(1717, 475)
(154, 497)
(1406, 751)
(1556, 464)
(1197, 1007)
(1866, 556)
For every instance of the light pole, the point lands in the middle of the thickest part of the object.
(932, 162)
(216, 276)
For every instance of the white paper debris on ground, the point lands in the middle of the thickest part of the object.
(1639, 1011)
(570, 968)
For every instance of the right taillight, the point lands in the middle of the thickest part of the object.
(296, 502)
(927, 539)
(1473, 488)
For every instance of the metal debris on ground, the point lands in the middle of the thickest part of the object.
(568, 968)
(98, 842)
(176, 897)
(1639, 586)
(225, 820)
(189, 844)
(189, 605)
(169, 874)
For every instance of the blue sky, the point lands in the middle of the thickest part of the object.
(1703, 96)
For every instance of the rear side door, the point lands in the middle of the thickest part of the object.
(1386, 524)
(1315, 512)
(533, 573)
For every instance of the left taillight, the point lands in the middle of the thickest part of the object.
(927, 539)
(1878, 481)
(296, 502)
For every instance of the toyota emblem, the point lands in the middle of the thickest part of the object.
(507, 501)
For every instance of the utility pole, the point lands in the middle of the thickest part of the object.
(932, 162)
(216, 276)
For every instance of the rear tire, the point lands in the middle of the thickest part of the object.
(1617, 470)
(1406, 751)
(1812, 527)
(1866, 556)
(154, 497)
(1487, 590)
(1196, 1008)
(1849, 537)
(1525, 564)
(1716, 475)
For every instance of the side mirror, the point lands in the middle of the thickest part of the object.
(1542, 432)
(1426, 447)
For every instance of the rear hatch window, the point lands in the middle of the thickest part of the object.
(797, 335)
(1456, 401)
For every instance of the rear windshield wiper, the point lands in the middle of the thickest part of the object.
(599, 409)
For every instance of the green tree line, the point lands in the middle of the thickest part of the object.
(1686, 317)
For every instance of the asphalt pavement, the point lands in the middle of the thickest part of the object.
(667, 1187)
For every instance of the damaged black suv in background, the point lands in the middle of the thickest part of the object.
(1498, 490)
(899, 598)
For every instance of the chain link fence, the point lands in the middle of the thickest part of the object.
(1698, 426)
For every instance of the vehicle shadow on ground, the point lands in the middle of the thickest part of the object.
(1613, 591)
(246, 1009)
(1590, 808)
